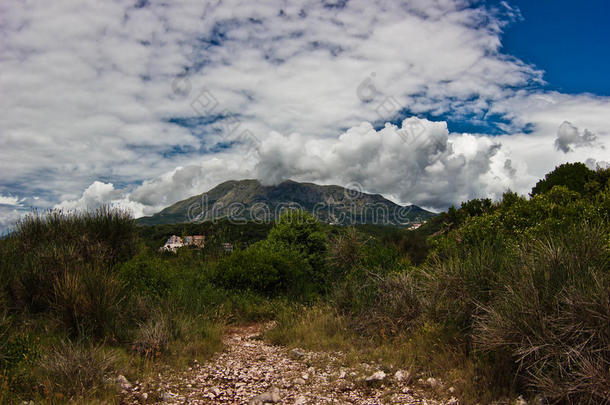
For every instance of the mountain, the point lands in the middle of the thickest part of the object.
(249, 200)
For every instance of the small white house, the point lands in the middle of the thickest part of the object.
(173, 243)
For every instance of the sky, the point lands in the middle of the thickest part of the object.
(140, 104)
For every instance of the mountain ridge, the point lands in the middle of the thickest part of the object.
(250, 200)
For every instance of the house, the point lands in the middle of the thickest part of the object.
(198, 240)
(414, 226)
(227, 247)
(175, 242)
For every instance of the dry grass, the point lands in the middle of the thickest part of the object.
(71, 371)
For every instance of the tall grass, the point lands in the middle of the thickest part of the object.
(72, 371)
(42, 249)
(553, 317)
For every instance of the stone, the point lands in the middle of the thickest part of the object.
(401, 376)
(433, 382)
(123, 382)
(342, 375)
(453, 401)
(376, 376)
(299, 381)
(142, 397)
(297, 353)
(520, 401)
(451, 390)
(272, 396)
(301, 400)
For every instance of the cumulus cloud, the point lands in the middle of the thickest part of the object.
(430, 167)
(594, 164)
(569, 137)
(9, 200)
(100, 194)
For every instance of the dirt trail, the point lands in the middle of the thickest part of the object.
(249, 367)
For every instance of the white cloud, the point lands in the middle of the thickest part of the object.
(9, 200)
(100, 194)
(569, 137)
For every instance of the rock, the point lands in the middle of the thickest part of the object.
(297, 353)
(453, 401)
(342, 375)
(301, 400)
(451, 390)
(271, 396)
(377, 376)
(123, 382)
(305, 376)
(433, 382)
(520, 401)
(142, 397)
(299, 381)
(401, 376)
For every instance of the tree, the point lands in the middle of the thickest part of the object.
(574, 176)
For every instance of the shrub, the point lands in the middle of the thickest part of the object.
(153, 337)
(303, 232)
(148, 274)
(346, 250)
(58, 243)
(268, 268)
(553, 316)
(89, 302)
(75, 370)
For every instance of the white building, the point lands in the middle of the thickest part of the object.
(173, 243)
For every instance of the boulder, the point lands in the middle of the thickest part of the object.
(376, 376)
(272, 396)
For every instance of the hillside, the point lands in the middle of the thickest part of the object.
(249, 200)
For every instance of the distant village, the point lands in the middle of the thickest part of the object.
(175, 242)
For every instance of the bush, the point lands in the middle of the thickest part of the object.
(89, 302)
(303, 232)
(153, 336)
(75, 370)
(58, 243)
(268, 268)
(553, 316)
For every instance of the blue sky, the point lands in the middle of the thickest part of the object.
(432, 102)
(570, 40)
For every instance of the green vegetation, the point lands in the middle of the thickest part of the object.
(511, 298)
(496, 298)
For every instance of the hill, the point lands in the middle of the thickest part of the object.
(249, 200)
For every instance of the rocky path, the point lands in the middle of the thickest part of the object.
(250, 371)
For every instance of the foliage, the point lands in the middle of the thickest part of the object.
(575, 177)
(74, 370)
(302, 231)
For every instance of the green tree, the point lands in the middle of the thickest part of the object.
(574, 176)
(302, 231)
